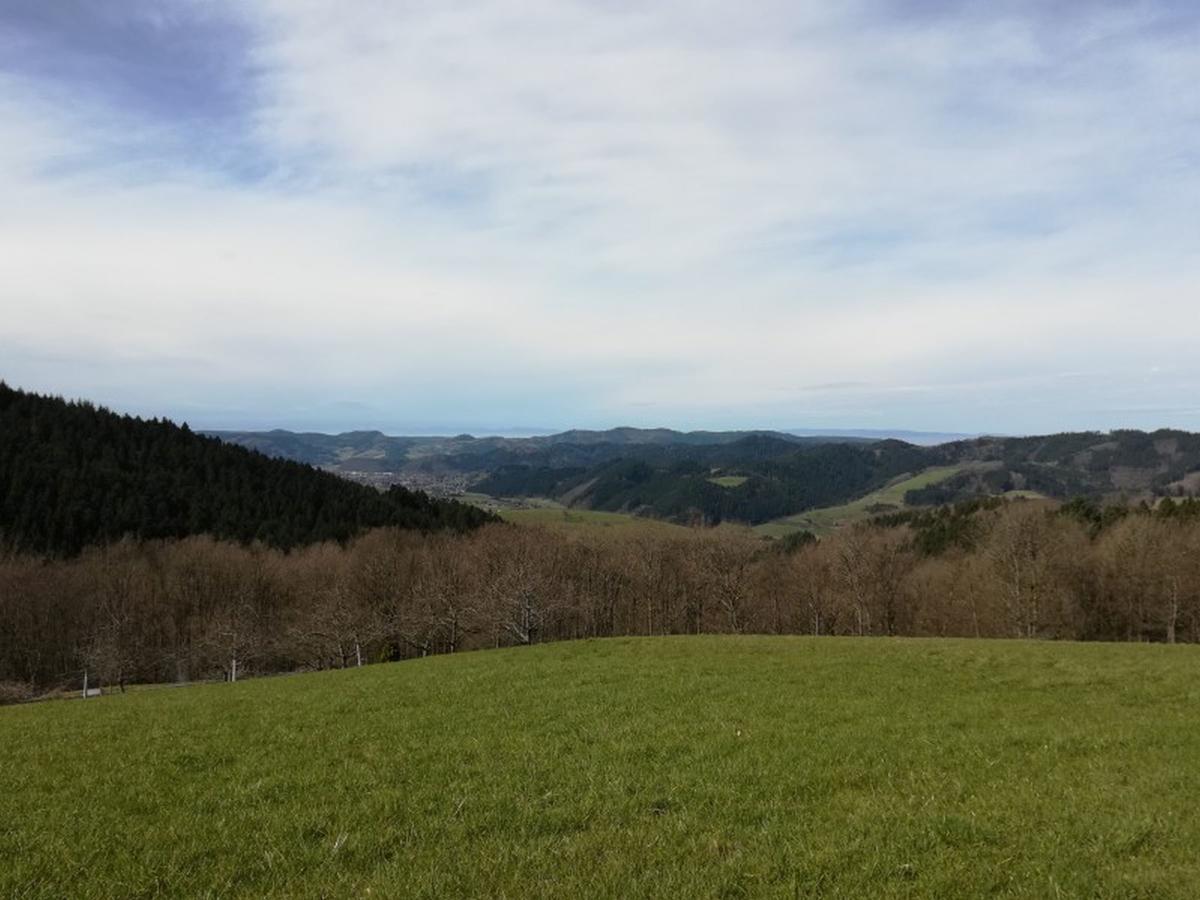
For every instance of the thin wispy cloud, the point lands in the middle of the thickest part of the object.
(696, 214)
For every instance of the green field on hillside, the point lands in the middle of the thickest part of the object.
(826, 519)
(729, 481)
(552, 514)
(682, 767)
(573, 519)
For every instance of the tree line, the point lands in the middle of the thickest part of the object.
(74, 475)
(202, 608)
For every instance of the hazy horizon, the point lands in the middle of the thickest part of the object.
(485, 430)
(545, 432)
(884, 214)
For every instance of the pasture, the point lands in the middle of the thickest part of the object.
(888, 498)
(688, 766)
(546, 513)
(729, 481)
(561, 517)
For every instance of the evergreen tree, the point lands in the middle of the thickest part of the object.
(73, 474)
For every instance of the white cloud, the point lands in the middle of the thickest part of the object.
(579, 213)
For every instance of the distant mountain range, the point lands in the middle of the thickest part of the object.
(74, 474)
(750, 476)
(451, 462)
(920, 438)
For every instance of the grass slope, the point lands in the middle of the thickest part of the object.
(729, 481)
(698, 767)
(826, 519)
(591, 519)
(552, 514)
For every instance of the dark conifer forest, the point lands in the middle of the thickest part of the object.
(75, 474)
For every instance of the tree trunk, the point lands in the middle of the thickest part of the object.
(1174, 616)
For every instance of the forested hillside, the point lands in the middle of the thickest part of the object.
(749, 476)
(1089, 463)
(760, 478)
(73, 474)
(771, 478)
(365, 452)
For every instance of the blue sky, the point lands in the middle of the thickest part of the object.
(427, 216)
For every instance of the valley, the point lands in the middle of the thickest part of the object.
(776, 482)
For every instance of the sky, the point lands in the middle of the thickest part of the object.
(430, 217)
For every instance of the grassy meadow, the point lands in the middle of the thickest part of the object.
(551, 514)
(546, 513)
(560, 517)
(693, 766)
(826, 519)
(729, 481)
(821, 521)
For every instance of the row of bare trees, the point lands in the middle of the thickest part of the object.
(199, 608)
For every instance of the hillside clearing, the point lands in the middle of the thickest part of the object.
(700, 767)
(887, 499)
(729, 481)
(541, 511)
(561, 517)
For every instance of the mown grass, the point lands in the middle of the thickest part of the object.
(689, 767)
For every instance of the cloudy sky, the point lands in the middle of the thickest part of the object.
(437, 216)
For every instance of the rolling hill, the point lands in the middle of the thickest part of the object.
(362, 453)
(685, 767)
(760, 479)
(75, 474)
(770, 478)
(756, 477)
(892, 497)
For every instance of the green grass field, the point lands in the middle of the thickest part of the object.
(575, 519)
(689, 767)
(552, 514)
(826, 519)
(729, 481)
